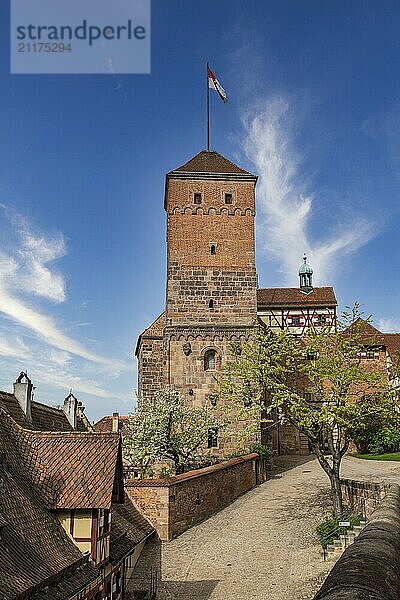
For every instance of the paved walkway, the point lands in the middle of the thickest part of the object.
(263, 546)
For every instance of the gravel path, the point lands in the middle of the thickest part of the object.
(263, 546)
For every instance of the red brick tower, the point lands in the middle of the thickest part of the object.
(211, 297)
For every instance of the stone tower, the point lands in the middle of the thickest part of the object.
(211, 295)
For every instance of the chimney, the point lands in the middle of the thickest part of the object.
(115, 422)
(23, 391)
(70, 409)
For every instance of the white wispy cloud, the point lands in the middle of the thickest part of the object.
(13, 347)
(26, 270)
(284, 199)
(389, 325)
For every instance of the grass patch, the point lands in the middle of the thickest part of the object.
(387, 456)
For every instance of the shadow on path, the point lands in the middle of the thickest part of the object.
(186, 590)
(286, 463)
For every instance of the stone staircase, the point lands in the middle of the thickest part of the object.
(335, 550)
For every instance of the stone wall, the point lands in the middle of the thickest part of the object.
(369, 569)
(363, 496)
(176, 504)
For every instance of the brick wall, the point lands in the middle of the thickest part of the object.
(363, 496)
(150, 367)
(176, 504)
(195, 275)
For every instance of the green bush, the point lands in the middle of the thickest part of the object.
(385, 440)
(328, 530)
(263, 451)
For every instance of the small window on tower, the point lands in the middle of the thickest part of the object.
(211, 303)
(197, 198)
(213, 249)
(213, 438)
(209, 360)
(228, 198)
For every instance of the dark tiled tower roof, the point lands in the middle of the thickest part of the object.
(210, 162)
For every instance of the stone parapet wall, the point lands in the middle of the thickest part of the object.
(176, 504)
(363, 496)
(370, 567)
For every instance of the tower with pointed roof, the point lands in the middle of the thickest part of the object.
(211, 292)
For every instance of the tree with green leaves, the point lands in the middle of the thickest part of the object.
(318, 383)
(165, 428)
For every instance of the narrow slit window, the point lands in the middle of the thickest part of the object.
(213, 438)
(197, 198)
(228, 198)
(213, 249)
(211, 303)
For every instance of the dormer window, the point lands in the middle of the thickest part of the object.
(228, 198)
(197, 198)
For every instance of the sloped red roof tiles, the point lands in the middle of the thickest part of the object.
(105, 424)
(34, 548)
(44, 417)
(288, 297)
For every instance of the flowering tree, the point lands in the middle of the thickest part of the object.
(166, 429)
(317, 383)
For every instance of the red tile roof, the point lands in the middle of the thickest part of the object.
(288, 297)
(392, 342)
(210, 162)
(129, 528)
(34, 548)
(44, 417)
(105, 424)
(70, 469)
(75, 470)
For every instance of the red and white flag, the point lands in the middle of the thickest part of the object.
(214, 84)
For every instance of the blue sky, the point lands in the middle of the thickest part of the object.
(313, 109)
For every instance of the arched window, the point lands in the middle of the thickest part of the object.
(209, 360)
(211, 303)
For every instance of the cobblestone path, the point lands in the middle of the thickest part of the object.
(263, 546)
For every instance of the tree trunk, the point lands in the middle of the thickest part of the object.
(333, 472)
(336, 491)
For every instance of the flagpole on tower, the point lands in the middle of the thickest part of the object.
(208, 109)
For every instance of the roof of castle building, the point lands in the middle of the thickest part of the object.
(70, 469)
(105, 424)
(209, 161)
(44, 417)
(155, 330)
(392, 342)
(37, 557)
(34, 548)
(294, 297)
(129, 528)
